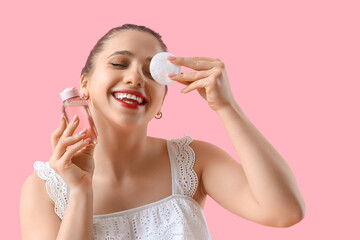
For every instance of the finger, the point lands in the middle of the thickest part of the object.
(65, 143)
(196, 63)
(71, 127)
(74, 149)
(89, 149)
(55, 136)
(195, 85)
(65, 165)
(189, 77)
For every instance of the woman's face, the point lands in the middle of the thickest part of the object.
(124, 65)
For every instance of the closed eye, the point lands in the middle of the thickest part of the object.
(117, 65)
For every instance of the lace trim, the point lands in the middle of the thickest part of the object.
(55, 186)
(186, 178)
(179, 217)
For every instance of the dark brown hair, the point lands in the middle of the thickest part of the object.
(99, 46)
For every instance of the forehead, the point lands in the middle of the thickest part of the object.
(142, 44)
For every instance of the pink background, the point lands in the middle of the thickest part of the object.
(293, 67)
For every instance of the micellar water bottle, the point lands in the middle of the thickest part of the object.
(74, 104)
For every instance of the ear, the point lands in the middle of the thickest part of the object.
(160, 108)
(84, 84)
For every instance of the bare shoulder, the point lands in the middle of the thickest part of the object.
(207, 153)
(37, 216)
(204, 147)
(34, 187)
(209, 157)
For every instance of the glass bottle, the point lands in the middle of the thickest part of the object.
(73, 104)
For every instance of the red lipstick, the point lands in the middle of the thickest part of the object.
(130, 103)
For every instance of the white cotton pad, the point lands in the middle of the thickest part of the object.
(160, 67)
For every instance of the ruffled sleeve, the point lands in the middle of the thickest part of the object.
(55, 186)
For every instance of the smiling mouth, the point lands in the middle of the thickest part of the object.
(129, 99)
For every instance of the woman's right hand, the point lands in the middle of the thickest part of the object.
(72, 156)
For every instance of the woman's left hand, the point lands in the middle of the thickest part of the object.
(210, 79)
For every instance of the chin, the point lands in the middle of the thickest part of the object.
(128, 123)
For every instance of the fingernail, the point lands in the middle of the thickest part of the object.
(83, 131)
(88, 140)
(171, 58)
(75, 118)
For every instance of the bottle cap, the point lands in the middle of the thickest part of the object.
(69, 93)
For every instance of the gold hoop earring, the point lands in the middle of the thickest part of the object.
(160, 115)
(83, 97)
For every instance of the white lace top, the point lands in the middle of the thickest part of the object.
(178, 216)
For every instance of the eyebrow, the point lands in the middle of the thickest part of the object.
(126, 53)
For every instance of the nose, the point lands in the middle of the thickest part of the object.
(134, 78)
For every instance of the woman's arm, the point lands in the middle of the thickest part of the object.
(72, 159)
(39, 221)
(263, 189)
(78, 218)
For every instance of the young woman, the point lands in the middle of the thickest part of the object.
(133, 186)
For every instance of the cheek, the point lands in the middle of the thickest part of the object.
(103, 80)
(156, 93)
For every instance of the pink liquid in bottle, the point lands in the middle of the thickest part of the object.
(73, 105)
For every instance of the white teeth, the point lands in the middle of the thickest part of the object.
(121, 96)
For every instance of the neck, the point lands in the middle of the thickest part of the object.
(119, 151)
